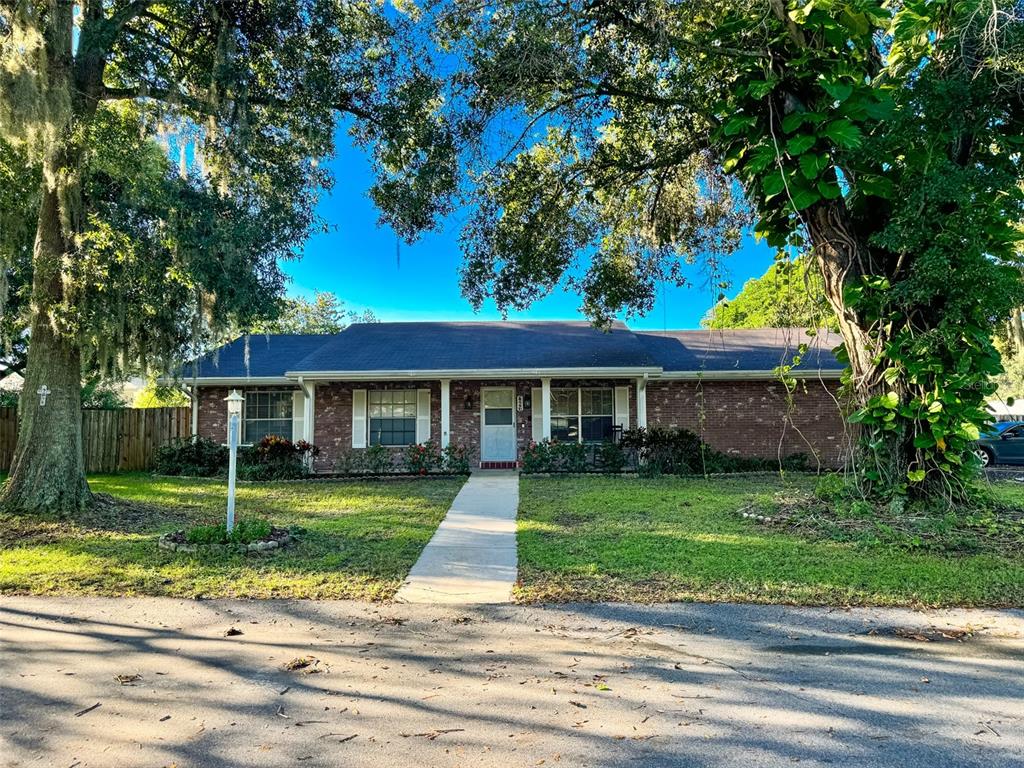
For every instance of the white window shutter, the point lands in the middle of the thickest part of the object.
(358, 418)
(422, 415)
(537, 412)
(622, 407)
(298, 416)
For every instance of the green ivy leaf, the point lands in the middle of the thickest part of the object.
(811, 165)
(838, 91)
(829, 190)
(804, 197)
(772, 184)
(844, 133)
(738, 124)
(800, 144)
(915, 475)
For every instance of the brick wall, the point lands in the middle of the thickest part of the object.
(332, 422)
(744, 418)
(754, 418)
(212, 420)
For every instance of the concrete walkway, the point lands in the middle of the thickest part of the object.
(472, 556)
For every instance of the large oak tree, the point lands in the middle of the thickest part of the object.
(176, 153)
(885, 138)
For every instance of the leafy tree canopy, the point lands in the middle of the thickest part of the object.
(325, 313)
(135, 260)
(787, 295)
(882, 138)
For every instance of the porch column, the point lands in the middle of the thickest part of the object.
(641, 402)
(545, 408)
(446, 411)
(309, 410)
(193, 394)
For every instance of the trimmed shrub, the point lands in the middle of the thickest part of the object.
(555, 456)
(378, 460)
(422, 458)
(276, 458)
(661, 451)
(195, 457)
(351, 462)
(537, 458)
(652, 452)
(454, 460)
(611, 457)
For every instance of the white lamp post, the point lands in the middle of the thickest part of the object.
(235, 401)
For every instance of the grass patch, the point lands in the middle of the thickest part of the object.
(360, 539)
(664, 539)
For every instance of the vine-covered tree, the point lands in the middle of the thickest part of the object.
(788, 295)
(883, 138)
(136, 258)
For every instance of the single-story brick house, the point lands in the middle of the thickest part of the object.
(493, 387)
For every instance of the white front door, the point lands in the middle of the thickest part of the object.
(498, 424)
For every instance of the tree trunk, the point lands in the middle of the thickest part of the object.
(48, 474)
(843, 260)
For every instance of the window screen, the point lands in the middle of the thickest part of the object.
(582, 414)
(267, 413)
(392, 415)
(597, 412)
(565, 421)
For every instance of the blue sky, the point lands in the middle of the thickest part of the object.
(357, 261)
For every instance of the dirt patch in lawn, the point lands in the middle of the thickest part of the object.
(105, 514)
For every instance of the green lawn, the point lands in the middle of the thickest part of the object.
(361, 540)
(633, 539)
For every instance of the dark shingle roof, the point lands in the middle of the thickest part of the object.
(482, 346)
(477, 346)
(740, 349)
(269, 355)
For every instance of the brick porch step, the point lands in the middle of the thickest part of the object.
(499, 465)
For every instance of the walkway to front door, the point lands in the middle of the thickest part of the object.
(472, 556)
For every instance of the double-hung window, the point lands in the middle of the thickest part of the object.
(392, 414)
(596, 415)
(582, 414)
(267, 413)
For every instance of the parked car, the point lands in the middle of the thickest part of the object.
(1003, 445)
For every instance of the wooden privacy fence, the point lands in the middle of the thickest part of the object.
(122, 439)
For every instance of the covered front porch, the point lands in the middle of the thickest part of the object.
(493, 419)
(496, 420)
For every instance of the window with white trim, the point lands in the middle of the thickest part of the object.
(582, 414)
(392, 416)
(267, 413)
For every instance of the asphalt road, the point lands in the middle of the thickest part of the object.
(414, 685)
